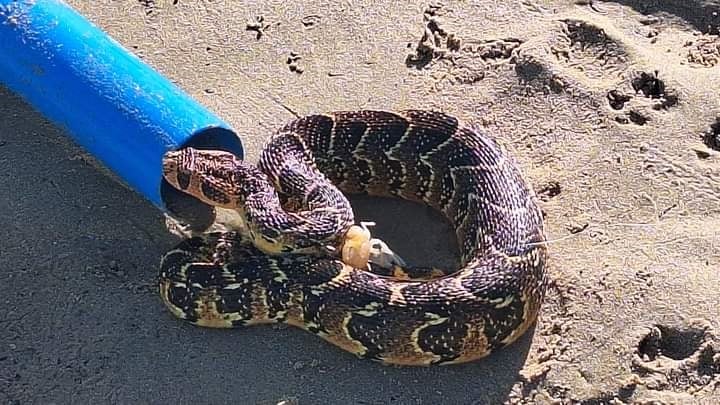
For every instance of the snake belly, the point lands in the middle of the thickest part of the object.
(223, 280)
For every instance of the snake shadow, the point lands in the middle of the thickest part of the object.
(82, 321)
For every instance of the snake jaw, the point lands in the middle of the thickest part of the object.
(356, 247)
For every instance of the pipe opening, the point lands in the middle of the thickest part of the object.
(216, 138)
(198, 215)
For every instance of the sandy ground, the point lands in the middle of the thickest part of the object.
(612, 108)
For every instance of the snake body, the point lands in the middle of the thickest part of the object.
(282, 267)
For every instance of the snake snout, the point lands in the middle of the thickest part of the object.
(178, 166)
(169, 164)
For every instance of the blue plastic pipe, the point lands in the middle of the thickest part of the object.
(114, 105)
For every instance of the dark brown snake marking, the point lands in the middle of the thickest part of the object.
(223, 280)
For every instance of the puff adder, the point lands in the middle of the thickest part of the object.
(300, 260)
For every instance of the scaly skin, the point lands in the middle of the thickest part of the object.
(225, 281)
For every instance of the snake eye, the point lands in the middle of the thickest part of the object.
(183, 179)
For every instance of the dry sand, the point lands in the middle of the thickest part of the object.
(610, 107)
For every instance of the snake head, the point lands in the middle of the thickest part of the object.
(356, 247)
(207, 175)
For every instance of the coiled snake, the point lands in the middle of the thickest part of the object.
(289, 264)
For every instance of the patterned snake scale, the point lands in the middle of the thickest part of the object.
(277, 269)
